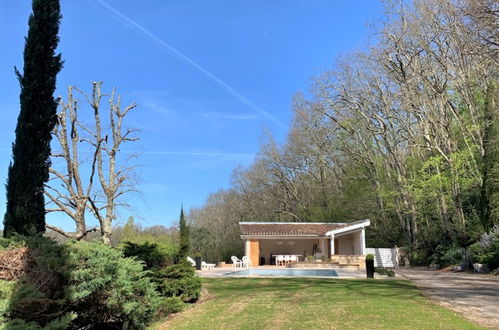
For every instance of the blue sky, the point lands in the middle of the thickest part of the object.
(208, 77)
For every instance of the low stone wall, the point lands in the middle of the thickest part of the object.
(352, 260)
(320, 265)
(337, 261)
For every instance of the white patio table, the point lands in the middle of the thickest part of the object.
(282, 257)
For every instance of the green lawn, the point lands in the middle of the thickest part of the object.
(309, 303)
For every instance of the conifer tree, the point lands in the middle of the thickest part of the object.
(29, 169)
(184, 236)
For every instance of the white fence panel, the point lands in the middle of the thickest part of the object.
(384, 257)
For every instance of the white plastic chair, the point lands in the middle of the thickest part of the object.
(246, 262)
(236, 262)
(279, 260)
(192, 262)
(206, 266)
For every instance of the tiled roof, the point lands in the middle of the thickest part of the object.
(287, 228)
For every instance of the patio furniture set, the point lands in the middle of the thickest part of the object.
(245, 262)
(285, 259)
(204, 264)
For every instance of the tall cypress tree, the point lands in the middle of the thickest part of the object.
(184, 237)
(29, 169)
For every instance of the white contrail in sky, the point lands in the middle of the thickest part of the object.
(122, 18)
(196, 153)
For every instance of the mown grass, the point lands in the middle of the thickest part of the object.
(311, 303)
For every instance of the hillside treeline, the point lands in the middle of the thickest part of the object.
(404, 133)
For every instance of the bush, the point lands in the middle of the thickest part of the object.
(486, 250)
(369, 257)
(418, 257)
(154, 255)
(172, 305)
(108, 290)
(179, 280)
(78, 284)
(385, 271)
(61, 323)
(453, 255)
(6, 291)
(32, 293)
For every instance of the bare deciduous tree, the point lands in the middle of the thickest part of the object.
(94, 186)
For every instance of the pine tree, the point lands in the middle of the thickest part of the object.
(29, 169)
(184, 237)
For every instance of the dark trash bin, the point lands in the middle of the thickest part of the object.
(370, 266)
(198, 262)
(262, 261)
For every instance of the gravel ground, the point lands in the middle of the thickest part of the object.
(475, 296)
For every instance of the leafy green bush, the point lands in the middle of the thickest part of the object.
(384, 271)
(107, 289)
(486, 250)
(33, 298)
(78, 284)
(453, 255)
(154, 255)
(171, 305)
(61, 323)
(369, 257)
(418, 257)
(179, 280)
(6, 291)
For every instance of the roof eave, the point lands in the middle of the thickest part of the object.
(281, 236)
(354, 225)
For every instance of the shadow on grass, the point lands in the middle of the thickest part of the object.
(375, 288)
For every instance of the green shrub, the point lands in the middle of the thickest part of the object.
(453, 255)
(6, 291)
(61, 323)
(179, 280)
(106, 289)
(486, 250)
(34, 296)
(369, 257)
(418, 257)
(154, 255)
(384, 271)
(171, 305)
(11, 243)
(76, 284)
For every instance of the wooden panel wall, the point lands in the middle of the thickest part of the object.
(254, 252)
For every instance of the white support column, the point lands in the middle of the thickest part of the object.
(332, 244)
(247, 248)
(363, 242)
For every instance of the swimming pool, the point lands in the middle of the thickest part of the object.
(285, 272)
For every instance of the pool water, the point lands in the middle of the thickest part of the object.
(286, 272)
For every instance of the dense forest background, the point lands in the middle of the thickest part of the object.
(405, 134)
